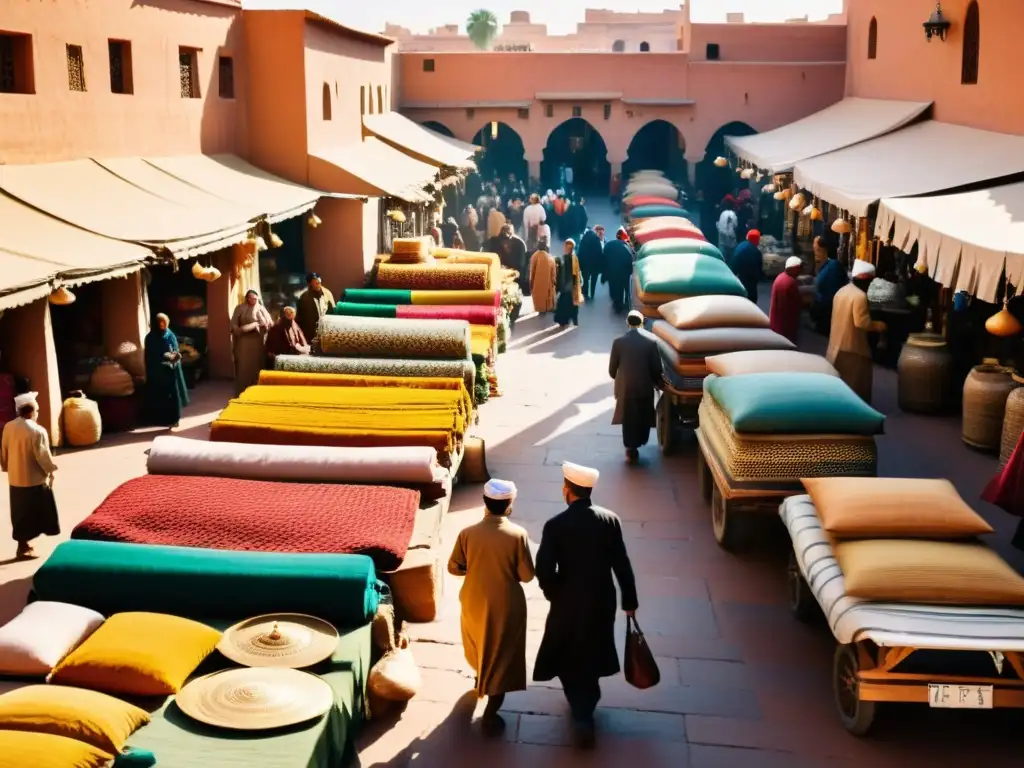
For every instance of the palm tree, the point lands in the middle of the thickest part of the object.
(482, 28)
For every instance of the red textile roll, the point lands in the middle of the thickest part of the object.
(253, 515)
(683, 231)
(635, 201)
(474, 314)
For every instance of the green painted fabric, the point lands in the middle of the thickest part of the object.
(111, 577)
(793, 404)
(650, 211)
(687, 274)
(365, 310)
(672, 245)
(376, 296)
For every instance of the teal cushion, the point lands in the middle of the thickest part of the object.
(687, 274)
(111, 577)
(650, 211)
(793, 404)
(678, 245)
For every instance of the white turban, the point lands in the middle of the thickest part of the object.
(863, 268)
(29, 398)
(577, 474)
(500, 490)
(794, 261)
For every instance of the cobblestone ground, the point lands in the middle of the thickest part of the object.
(743, 683)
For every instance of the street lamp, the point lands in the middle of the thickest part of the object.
(937, 25)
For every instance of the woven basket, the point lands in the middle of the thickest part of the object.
(985, 393)
(1013, 422)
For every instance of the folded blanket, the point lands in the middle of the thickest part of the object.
(440, 276)
(406, 339)
(299, 379)
(433, 298)
(365, 310)
(252, 515)
(473, 314)
(379, 366)
(376, 296)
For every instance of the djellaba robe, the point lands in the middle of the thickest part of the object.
(494, 557)
(310, 308)
(848, 348)
(618, 265)
(580, 549)
(166, 392)
(787, 304)
(570, 290)
(25, 457)
(635, 365)
(543, 274)
(249, 327)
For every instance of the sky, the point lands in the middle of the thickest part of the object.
(561, 17)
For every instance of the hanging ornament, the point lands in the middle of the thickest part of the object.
(61, 296)
(780, 195)
(275, 241)
(768, 189)
(747, 173)
(841, 227)
(313, 220)
(921, 268)
(197, 270)
(816, 214)
(721, 162)
(261, 244)
(1003, 324)
(798, 202)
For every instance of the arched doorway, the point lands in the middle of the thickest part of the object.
(439, 128)
(657, 146)
(578, 145)
(714, 183)
(503, 152)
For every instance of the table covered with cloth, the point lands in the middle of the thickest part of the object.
(490, 298)
(406, 339)
(301, 379)
(379, 366)
(437, 276)
(254, 515)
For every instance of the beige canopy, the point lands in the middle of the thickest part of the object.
(371, 167)
(981, 231)
(919, 159)
(844, 124)
(421, 143)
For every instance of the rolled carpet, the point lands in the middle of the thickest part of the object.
(114, 578)
(365, 310)
(492, 261)
(475, 315)
(379, 366)
(484, 338)
(257, 516)
(440, 276)
(298, 379)
(408, 339)
(376, 296)
(434, 298)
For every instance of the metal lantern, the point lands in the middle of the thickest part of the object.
(841, 227)
(721, 162)
(937, 25)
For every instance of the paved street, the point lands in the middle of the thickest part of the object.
(743, 683)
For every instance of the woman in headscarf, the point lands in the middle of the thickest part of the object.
(569, 286)
(249, 326)
(166, 393)
(286, 337)
(543, 273)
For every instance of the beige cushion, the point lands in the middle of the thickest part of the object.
(713, 312)
(35, 640)
(768, 361)
(915, 571)
(705, 340)
(893, 508)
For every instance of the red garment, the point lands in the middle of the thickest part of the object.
(286, 338)
(1006, 490)
(787, 304)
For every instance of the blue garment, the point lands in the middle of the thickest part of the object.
(166, 393)
(830, 279)
(590, 253)
(747, 264)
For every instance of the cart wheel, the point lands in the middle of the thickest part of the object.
(705, 482)
(801, 602)
(856, 715)
(666, 425)
(723, 520)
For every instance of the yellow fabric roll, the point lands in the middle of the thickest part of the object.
(302, 379)
(483, 340)
(461, 298)
(441, 275)
(356, 398)
(492, 261)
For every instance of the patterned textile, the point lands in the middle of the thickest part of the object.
(781, 460)
(376, 296)
(299, 379)
(434, 298)
(492, 261)
(485, 337)
(476, 315)
(434, 277)
(253, 515)
(378, 366)
(408, 339)
(365, 310)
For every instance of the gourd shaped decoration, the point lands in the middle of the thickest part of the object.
(1003, 324)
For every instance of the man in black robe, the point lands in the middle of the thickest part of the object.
(635, 364)
(591, 256)
(579, 550)
(618, 268)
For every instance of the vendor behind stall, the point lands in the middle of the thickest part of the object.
(315, 302)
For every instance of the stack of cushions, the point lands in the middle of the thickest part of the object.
(777, 361)
(635, 201)
(768, 430)
(410, 250)
(677, 245)
(654, 187)
(254, 515)
(662, 229)
(429, 298)
(381, 367)
(696, 327)
(661, 279)
(911, 541)
(435, 276)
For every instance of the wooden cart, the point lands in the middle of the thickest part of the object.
(676, 411)
(866, 674)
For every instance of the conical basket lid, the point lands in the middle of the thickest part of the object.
(291, 640)
(255, 699)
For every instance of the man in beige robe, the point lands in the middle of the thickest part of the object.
(543, 274)
(494, 557)
(848, 348)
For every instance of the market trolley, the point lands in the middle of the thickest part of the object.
(677, 411)
(944, 656)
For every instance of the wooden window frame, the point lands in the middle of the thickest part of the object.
(75, 55)
(225, 90)
(195, 90)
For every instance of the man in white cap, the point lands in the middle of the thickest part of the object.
(848, 348)
(494, 557)
(580, 549)
(25, 457)
(787, 302)
(635, 364)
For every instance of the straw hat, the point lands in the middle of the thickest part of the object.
(249, 699)
(291, 640)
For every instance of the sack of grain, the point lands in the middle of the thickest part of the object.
(81, 420)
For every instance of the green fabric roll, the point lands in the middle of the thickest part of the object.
(650, 211)
(365, 310)
(110, 577)
(376, 296)
(678, 245)
(685, 274)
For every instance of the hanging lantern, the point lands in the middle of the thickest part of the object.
(747, 173)
(780, 195)
(61, 296)
(798, 202)
(787, 194)
(313, 220)
(494, 129)
(921, 268)
(397, 215)
(768, 189)
(197, 270)
(807, 211)
(721, 162)
(261, 244)
(758, 176)
(816, 215)
(275, 241)
(1003, 324)
(841, 227)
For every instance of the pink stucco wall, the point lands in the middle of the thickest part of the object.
(908, 67)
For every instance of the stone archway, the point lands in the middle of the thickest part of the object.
(714, 183)
(503, 152)
(578, 145)
(658, 145)
(437, 127)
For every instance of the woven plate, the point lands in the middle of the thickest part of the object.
(249, 699)
(287, 640)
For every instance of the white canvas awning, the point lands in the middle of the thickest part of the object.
(419, 142)
(372, 167)
(844, 124)
(982, 231)
(917, 160)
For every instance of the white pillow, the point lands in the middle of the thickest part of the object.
(34, 641)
